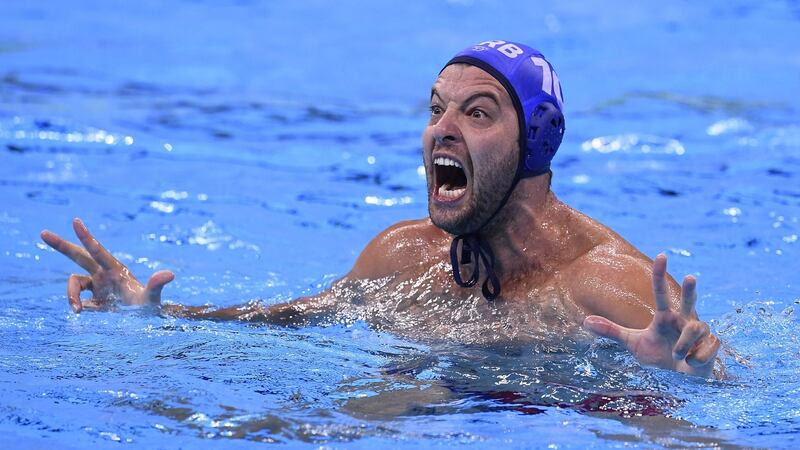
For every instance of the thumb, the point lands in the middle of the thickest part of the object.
(156, 283)
(603, 327)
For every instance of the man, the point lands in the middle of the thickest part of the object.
(500, 257)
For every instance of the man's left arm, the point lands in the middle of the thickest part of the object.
(647, 312)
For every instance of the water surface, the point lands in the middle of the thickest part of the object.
(255, 147)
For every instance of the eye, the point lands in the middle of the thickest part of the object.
(477, 114)
(435, 110)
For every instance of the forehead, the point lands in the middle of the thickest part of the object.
(461, 80)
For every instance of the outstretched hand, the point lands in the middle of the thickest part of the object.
(109, 280)
(675, 340)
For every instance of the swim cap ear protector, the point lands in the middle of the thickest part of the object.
(535, 92)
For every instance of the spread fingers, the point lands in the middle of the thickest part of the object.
(70, 250)
(95, 249)
(75, 285)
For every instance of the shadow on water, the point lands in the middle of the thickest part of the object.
(390, 403)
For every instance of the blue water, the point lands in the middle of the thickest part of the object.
(255, 147)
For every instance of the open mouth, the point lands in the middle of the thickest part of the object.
(451, 181)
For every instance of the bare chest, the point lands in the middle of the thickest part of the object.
(425, 303)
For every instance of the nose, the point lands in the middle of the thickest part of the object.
(446, 131)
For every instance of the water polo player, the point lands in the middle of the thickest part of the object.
(499, 258)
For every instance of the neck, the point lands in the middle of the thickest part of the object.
(523, 234)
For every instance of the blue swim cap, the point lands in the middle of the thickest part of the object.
(535, 92)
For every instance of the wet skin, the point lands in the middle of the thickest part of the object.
(560, 270)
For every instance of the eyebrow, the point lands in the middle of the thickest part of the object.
(488, 94)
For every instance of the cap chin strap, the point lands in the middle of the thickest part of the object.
(475, 250)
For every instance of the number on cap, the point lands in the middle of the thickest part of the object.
(550, 83)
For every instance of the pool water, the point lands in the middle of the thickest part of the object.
(255, 147)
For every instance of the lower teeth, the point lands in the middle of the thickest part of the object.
(447, 191)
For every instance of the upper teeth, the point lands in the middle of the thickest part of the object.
(444, 161)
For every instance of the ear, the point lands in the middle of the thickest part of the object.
(545, 132)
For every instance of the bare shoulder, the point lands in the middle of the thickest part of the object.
(612, 278)
(398, 247)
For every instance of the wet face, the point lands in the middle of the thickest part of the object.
(470, 148)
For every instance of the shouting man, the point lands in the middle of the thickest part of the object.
(500, 258)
